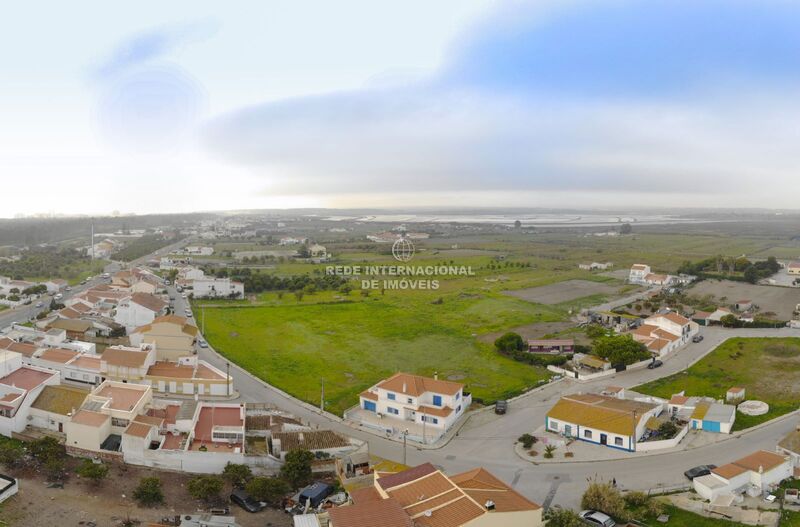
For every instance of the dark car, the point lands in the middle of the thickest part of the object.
(243, 500)
(655, 364)
(697, 338)
(501, 407)
(700, 470)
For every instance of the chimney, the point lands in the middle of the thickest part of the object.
(761, 469)
(405, 388)
(489, 505)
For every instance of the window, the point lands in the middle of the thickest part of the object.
(410, 400)
(437, 400)
(458, 408)
(116, 421)
(553, 425)
(391, 396)
(587, 434)
(618, 441)
(428, 419)
(458, 396)
(393, 411)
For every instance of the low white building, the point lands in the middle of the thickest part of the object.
(703, 413)
(138, 309)
(755, 474)
(664, 333)
(604, 420)
(217, 288)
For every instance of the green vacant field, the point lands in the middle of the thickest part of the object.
(681, 518)
(768, 368)
(354, 344)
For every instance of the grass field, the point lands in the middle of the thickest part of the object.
(681, 518)
(768, 368)
(352, 345)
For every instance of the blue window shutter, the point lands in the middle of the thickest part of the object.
(437, 400)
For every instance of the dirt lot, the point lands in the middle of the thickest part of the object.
(110, 503)
(779, 300)
(536, 331)
(564, 291)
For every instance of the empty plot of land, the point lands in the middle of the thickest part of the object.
(778, 300)
(563, 291)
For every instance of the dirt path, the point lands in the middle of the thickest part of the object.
(110, 503)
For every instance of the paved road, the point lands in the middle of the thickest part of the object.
(487, 440)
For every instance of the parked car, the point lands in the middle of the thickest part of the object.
(655, 364)
(58, 296)
(597, 518)
(501, 407)
(700, 470)
(39, 304)
(203, 344)
(243, 500)
(697, 338)
(68, 288)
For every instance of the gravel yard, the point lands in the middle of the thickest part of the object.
(778, 300)
(564, 291)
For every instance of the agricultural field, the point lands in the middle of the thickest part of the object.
(770, 299)
(524, 281)
(767, 368)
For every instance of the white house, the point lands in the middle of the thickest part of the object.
(199, 250)
(638, 272)
(217, 288)
(757, 473)
(703, 413)
(600, 419)
(54, 285)
(138, 309)
(403, 399)
(664, 333)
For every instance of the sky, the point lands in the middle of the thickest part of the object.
(184, 106)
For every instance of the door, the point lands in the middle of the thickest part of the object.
(61, 427)
(603, 439)
(568, 430)
(369, 406)
(711, 426)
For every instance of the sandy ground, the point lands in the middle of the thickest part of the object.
(779, 300)
(564, 291)
(110, 503)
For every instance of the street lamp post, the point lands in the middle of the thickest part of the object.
(405, 433)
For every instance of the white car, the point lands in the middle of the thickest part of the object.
(597, 518)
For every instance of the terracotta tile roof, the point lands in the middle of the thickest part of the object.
(78, 326)
(58, 355)
(736, 389)
(88, 418)
(171, 369)
(383, 513)
(124, 357)
(455, 514)
(761, 459)
(138, 429)
(364, 495)
(421, 488)
(393, 480)
(25, 349)
(675, 317)
(310, 440)
(678, 399)
(122, 398)
(369, 395)
(150, 420)
(609, 414)
(26, 378)
(69, 313)
(86, 362)
(187, 328)
(151, 302)
(204, 372)
(416, 385)
(438, 412)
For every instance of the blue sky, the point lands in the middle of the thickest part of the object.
(167, 107)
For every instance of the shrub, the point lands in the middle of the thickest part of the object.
(149, 492)
(296, 469)
(12, 453)
(549, 451)
(269, 490)
(563, 518)
(510, 342)
(655, 508)
(90, 470)
(527, 440)
(237, 474)
(602, 496)
(636, 499)
(205, 488)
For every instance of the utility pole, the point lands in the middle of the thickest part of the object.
(91, 245)
(405, 433)
(228, 378)
(204, 320)
(634, 431)
(322, 397)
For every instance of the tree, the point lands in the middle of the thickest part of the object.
(594, 331)
(296, 470)
(549, 451)
(303, 252)
(604, 497)
(527, 440)
(237, 474)
(269, 490)
(96, 472)
(730, 321)
(517, 224)
(751, 274)
(667, 429)
(205, 488)
(620, 349)
(12, 453)
(149, 492)
(625, 228)
(563, 518)
(510, 342)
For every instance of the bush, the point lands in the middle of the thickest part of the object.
(636, 499)
(149, 492)
(96, 472)
(563, 518)
(655, 508)
(527, 440)
(510, 342)
(12, 453)
(549, 451)
(667, 430)
(269, 490)
(296, 469)
(237, 474)
(205, 488)
(46, 450)
(605, 498)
